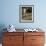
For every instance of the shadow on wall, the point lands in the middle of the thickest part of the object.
(2, 26)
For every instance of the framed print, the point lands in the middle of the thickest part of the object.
(26, 13)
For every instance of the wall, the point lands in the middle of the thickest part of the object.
(9, 13)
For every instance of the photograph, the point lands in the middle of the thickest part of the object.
(26, 13)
